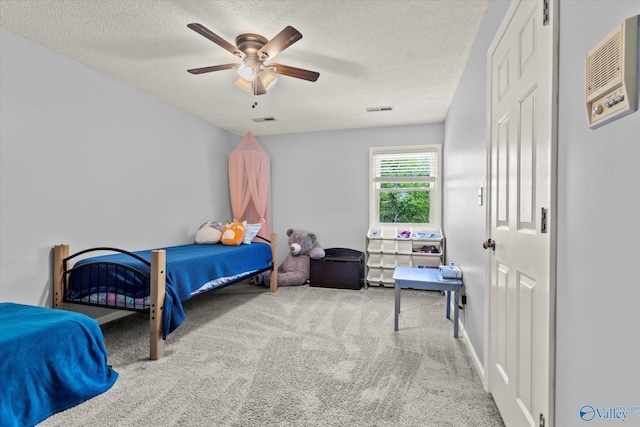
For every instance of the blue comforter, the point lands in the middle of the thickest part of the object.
(189, 267)
(50, 360)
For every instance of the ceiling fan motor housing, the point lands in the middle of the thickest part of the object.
(250, 44)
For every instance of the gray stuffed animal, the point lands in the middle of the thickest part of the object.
(294, 270)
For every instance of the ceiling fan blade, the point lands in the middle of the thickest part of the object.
(213, 68)
(280, 42)
(202, 30)
(258, 86)
(298, 73)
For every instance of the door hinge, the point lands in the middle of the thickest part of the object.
(545, 12)
(543, 220)
(541, 423)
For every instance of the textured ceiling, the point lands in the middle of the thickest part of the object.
(405, 54)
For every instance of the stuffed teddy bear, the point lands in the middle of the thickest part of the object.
(294, 270)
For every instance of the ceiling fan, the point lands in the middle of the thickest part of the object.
(254, 50)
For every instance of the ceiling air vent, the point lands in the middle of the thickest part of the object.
(611, 75)
(264, 119)
(374, 109)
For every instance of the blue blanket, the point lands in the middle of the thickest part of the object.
(50, 360)
(189, 267)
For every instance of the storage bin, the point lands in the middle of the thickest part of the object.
(389, 246)
(387, 277)
(388, 261)
(340, 268)
(403, 260)
(374, 260)
(374, 276)
(405, 246)
(426, 261)
(375, 246)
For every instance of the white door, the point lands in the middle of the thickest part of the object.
(521, 182)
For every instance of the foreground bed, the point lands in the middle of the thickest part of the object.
(50, 360)
(157, 281)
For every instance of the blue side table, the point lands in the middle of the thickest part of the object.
(427, 279)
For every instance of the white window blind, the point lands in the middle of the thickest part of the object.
(414, 166)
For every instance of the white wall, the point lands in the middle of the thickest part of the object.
(598, 290)
(464, 173)
(598, 323)
(321, 180)
(88, 161)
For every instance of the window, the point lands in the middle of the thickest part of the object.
(405, 185)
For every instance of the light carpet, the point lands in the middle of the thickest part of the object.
(303, 356)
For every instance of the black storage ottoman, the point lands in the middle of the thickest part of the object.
(340, 268)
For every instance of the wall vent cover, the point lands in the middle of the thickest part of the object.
(611, 71)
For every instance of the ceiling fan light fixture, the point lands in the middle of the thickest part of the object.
(247, 72)
(267, 78)
(244, 84)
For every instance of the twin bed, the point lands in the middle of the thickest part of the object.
(51, 360)
(157, 281)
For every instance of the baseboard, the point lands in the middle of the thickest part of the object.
(474, 356)
(472, 351)
(113, 316)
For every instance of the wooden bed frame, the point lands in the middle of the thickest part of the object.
(158, 282)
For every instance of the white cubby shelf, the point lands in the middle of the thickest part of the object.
(391, 246)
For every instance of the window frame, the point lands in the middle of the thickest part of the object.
(435, 198)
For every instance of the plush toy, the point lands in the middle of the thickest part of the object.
(294, 270)
(233, 233)
(209, 233)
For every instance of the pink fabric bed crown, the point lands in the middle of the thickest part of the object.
(250, 184)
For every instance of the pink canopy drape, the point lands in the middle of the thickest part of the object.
(250, 184)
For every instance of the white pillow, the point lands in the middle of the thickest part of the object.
(250, 231)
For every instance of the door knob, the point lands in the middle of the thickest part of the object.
(489, 244)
